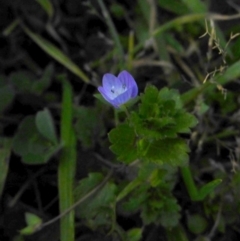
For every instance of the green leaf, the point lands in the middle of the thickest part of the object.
(33, 223)
(170, 214)
(104, 198)
(134, 234)
(47, 154)
(28, 230)
(196, 223)
(152, 133)
(45, 125)
(192, 94)
(32, 219)
(163, 176)
(128, 188)
(47, 6)
(156, 177)
(153, 128)
(169, 151)
(176, 234)
(25, 133)
(174, 43)
(31, 145)
(95, 210)
(174, 6)
(231, 73)
(44, 82)
(149, 101)
(208, 188)
(22, 80)
(123, 141)
(117, 10)
(166, 94)
(195, 6)
(185, 121)
(57, 54)
(161, 115)
(138, 197)
(11, 27)
(179, 21)
(87, 184)
(161, 208)
(146, 170)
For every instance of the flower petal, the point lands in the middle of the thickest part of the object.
(118, 90)
(104, 94)
(134, 91)
(111, 83)
(122, 98)
(127, 80)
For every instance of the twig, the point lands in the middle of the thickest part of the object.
(211, 234)
(95, 190)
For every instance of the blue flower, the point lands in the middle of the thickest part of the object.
(118, 90)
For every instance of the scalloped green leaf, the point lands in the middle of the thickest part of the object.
(161, 209)
(149, 101)
(184, 121)
(169, 151)
(166, 94)
(161, 115)
(123, 141)
(153, 128)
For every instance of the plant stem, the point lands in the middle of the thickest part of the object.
(130, 50)
(124, 107)
(66, 169)
(116, 117)
(92, 192)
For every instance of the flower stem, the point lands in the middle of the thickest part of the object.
(124, 107)
(116, 117)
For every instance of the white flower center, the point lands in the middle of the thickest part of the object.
(116, 92)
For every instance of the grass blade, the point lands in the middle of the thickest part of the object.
(67, 164)
(57, 54)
